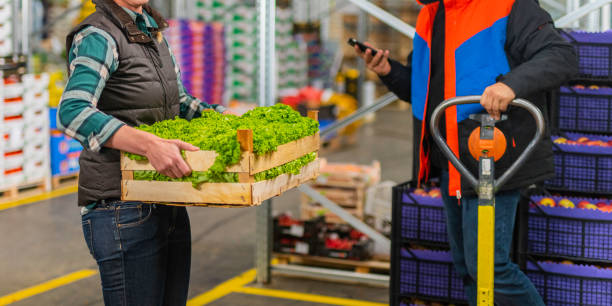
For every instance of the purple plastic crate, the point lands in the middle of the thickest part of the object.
(423, 219)
(569, 232)
(430, 274)
(582, 168)
(594, 53)
(561, 284)
(585, 110)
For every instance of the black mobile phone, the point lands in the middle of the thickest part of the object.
(353, 42)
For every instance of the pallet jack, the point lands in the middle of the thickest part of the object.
(487, 144)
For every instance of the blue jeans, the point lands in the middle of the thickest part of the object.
(143, 252)
(512, 287)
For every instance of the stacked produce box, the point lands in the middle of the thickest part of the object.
(292, 56)
(199, 49)
(569, 223)
(343, 184)
(421, 264)
(25, 130)
(239, 18)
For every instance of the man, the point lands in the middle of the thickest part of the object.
(502, 50)
(123, 74)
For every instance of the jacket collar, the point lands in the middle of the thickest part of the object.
(125, 22)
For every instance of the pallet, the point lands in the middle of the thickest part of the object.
(358, 266)
(60, 180)
(13, 192)
(246, 192)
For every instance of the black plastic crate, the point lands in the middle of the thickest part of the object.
(296, 237)
(594, 52)
(569, 233)
(568, 284)
(420, 219)
(357, 246)
(582, 168)
(587, 110)
(426, 275)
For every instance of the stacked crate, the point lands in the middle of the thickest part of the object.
(199, 49)
(6, 28)
(568, 249)
(421, 263)
(25, 126)
(239, 18)
(292, 57)
(343, 184)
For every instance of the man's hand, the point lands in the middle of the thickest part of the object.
(496, 98)
(165, 156)
(379, 63)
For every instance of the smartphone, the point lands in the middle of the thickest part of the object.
(353, 42)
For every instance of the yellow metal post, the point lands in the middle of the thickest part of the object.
(486, 254)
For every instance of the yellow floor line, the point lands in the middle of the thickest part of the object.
(306, 297)
(46, 286)
(224, 289)
(40, 197)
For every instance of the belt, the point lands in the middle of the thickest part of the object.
(107, 202)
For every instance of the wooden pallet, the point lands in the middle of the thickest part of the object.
(246, 192)
(366, 266)
(30, 188)
(61, 180)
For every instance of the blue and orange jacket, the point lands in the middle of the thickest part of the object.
(485, 41)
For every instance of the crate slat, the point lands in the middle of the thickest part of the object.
(183, 192)
(270, 188)
(285, 153)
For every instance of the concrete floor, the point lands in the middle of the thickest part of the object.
(42, 241)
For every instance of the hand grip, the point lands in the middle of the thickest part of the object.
(434, 127)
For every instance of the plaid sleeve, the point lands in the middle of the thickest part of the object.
(191, 107)
(93, 58)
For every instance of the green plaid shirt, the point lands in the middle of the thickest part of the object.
(93, 58)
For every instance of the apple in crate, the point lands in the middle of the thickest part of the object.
(435, 193)
(587, 205)
(560, 140)
(605, 207)
(582, 140)
(550, 202)
(420, 191)
(566, 203)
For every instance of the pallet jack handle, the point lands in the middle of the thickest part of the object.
(434, 127)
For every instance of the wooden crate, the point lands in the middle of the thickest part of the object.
(309, 211)
(368, 176)
(246, 192)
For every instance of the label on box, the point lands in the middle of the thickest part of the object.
(301, 248)
(297, 230)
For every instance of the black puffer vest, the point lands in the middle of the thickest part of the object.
(143, 90)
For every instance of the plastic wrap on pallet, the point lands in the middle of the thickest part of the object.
(586, 110)
(569, 232)
(569, 284)
(582, 168)
(594, 51)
